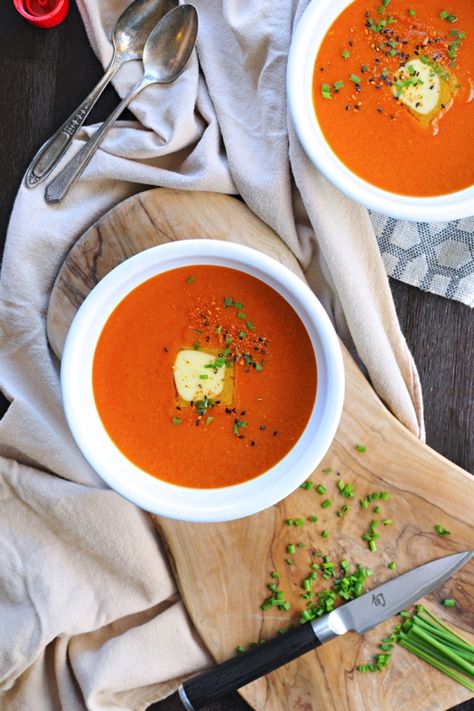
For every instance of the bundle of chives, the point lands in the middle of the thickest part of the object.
(430, 639)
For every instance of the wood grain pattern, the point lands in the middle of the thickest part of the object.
(223, 569)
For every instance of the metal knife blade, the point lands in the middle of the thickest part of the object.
(360, 615)
(388, 599)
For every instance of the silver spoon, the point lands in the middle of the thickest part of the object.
(129, 35)
(166, 52)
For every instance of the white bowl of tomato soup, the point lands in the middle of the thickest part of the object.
(381, 97)
(202, 380)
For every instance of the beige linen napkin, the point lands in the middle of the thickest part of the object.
(89, 614)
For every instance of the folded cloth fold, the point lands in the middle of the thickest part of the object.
(89, 614)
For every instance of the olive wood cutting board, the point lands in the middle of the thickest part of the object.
(223, 569)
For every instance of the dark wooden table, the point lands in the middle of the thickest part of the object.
(47, 73)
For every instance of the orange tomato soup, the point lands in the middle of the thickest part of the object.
(364, 79)
(252, 336)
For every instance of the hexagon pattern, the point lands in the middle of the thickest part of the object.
(436, 257)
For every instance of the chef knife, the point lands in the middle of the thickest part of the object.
(359, 615)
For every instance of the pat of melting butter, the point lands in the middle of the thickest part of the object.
(425, 88)
(193, 379)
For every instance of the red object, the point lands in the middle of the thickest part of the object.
(43, 13)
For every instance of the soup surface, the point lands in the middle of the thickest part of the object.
(393, 90)
(204, 376)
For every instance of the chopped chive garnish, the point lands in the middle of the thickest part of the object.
(306, 485)
(361, 447)
(242, 335)
(338, 85)
(240, 649)
(203, 377)
(327, 470)
(313, 519)
(298, 522)
(412, 12)
(228, 301)
(238, 305)
(326, 504)
(387, 522)
(228, 339)
(354, 78)
(325, 533)
(326, 91)
(346, 54)
(176, 421)
(209, 420)
(274, 574)
(290, 548)
(372, 546)
(218, 330)
(392, 565)
(449, 602)
(190, 279)
(241, 315)
(440, 530)
(376, 509)
(321, 489)
(364, 503)
(288, 561)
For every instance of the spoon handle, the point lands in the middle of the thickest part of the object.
(60, 186)
(49, 155)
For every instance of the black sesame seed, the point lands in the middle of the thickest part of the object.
(252, 443)
(262, 427)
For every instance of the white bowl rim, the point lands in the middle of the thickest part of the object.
(312, 27)
(155, 495)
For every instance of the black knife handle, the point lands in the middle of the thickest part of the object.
(246, 667)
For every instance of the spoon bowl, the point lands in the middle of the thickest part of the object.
(134, 26)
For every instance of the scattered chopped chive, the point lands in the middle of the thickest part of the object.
(364, 503)
(321, 489)
(392, 565)
(196, 346)
(209, 420)
(298, 522)
(274, 574)
(306, 485)
(325, 533)
(241, 315)
(218, 330)
(259, 366)
(346, 54)
(228, 301)
(384, 495)
(242, 335)
(190, 279)
(372, 546)
(282, 630)
(228, 339)
(340, 485)
(238, 305)
(441, 530)
(290, 548)
(387, 522)
(288, 561)
(176, 421)
(327, 470)
(326, 504)
(272, 587)
(449, 602)
(354, 78)
(313, 519)
(240, 649)
(326, 91)
(203, 377)
(376, 509)
(300, 545)
(338, 85)
(412, 13)
(289, 522)
(361, 447)
(250, 326)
